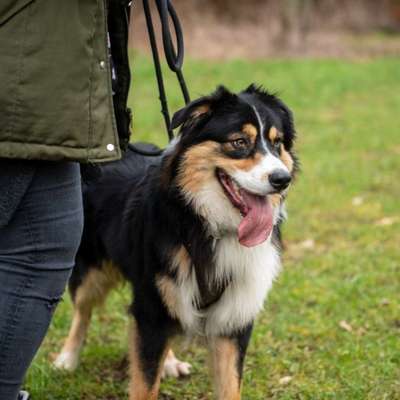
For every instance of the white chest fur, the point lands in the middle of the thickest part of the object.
(250, 271)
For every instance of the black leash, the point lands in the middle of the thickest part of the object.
(174, 59)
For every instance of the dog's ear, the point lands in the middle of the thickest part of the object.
(253, 88)
(199, 109)
(192, 112)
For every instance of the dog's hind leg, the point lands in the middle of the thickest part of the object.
(173, 367)
(91, 291)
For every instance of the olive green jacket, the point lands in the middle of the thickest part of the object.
(55, 81)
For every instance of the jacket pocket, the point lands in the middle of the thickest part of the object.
(10, 8)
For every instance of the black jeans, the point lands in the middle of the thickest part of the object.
(37, 251)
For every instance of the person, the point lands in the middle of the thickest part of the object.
(58, 108)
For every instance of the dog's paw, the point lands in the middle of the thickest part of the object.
(67, 361)
(175, 368)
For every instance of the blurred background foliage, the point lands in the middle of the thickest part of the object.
(268, 28)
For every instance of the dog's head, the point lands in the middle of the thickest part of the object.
(233, 160)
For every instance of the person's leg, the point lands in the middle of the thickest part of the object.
(37, 251)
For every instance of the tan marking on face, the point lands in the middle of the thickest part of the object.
(251, 131)
(91, 293)
(275, 199)
(230, 165)
(286, 158)
(225, 355)
(138, 386)
(273, 134)
(168, 292)
(197, 166)
(200, 162)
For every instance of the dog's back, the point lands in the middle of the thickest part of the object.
(115, 189)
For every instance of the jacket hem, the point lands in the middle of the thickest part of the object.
(45, 152)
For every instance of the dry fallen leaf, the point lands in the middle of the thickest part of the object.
(384, 302)
(361, 331)
(386, 221)
(357, 201)
(285, 380)
(307, 244)
(346, 326)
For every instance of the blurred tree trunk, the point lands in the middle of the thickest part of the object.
(296, 16)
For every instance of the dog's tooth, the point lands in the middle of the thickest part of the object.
(237, 189)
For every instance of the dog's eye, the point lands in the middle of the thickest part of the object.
(239, 144)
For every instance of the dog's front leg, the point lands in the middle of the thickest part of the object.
(148, 346)
(227, 356)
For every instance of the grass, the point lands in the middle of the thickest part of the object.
(332, 321)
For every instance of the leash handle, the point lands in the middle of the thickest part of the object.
(173, 56)
(157, 67)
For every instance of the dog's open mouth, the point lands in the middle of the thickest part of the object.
(256, 210)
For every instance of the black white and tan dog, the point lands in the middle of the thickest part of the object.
(195, 231)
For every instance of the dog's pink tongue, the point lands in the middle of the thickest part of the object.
(257, 224)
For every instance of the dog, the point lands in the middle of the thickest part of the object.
(196, 232)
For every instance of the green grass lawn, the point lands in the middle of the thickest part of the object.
(332, 320)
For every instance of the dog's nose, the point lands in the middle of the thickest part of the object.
(279, 179)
